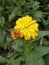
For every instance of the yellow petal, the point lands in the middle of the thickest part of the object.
(27, 35)
(32, 22)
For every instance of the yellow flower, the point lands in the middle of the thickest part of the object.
(27, 26)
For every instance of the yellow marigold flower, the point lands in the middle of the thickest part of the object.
(27, 26)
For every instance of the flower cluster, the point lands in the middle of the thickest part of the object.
(27, 26)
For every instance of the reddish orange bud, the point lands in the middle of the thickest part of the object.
(15, 33)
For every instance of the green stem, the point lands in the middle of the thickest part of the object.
(3, 2)
(41, 40)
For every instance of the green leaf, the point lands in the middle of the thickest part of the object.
(33, 58)
(22, 2)
(9, 2)
(3, 60)
(38, 14)
(16, 2)
(2, 21)
(46, 8)
(2, 35)
(42, 50)
(32, 4)
(45, 42)
(19, 2)
(13, 61)
(35, 5)
(17, 45)
(46, 58)
(43, 33)
(1, 9)
(16, 12)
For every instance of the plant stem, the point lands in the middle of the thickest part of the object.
(3, 2)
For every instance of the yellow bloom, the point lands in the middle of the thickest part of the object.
(27, 26)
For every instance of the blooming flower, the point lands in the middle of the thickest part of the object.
(27, 26)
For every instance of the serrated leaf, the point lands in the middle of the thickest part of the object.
(38, 14)
(32, 4)
(19, 2)
(42, 50)
(16, 11)
(17, 45)
(43, 33)
(35, 5)
(33, 58)
(13, 61)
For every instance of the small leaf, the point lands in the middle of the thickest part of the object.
(13, 61)
(38, 14)
(2, 21)
(17, 45)
(16, 11)
(1, 9)
(35, 5)
(9, 2)
(19, 2)
(43, 33)
(3, 60)
(2, 35)
(42, 50)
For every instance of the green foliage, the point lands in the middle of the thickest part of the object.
(19, 51)
(42, 50)
(2, 36)
(3, 60)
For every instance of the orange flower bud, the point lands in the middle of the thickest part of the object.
(15, 33)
